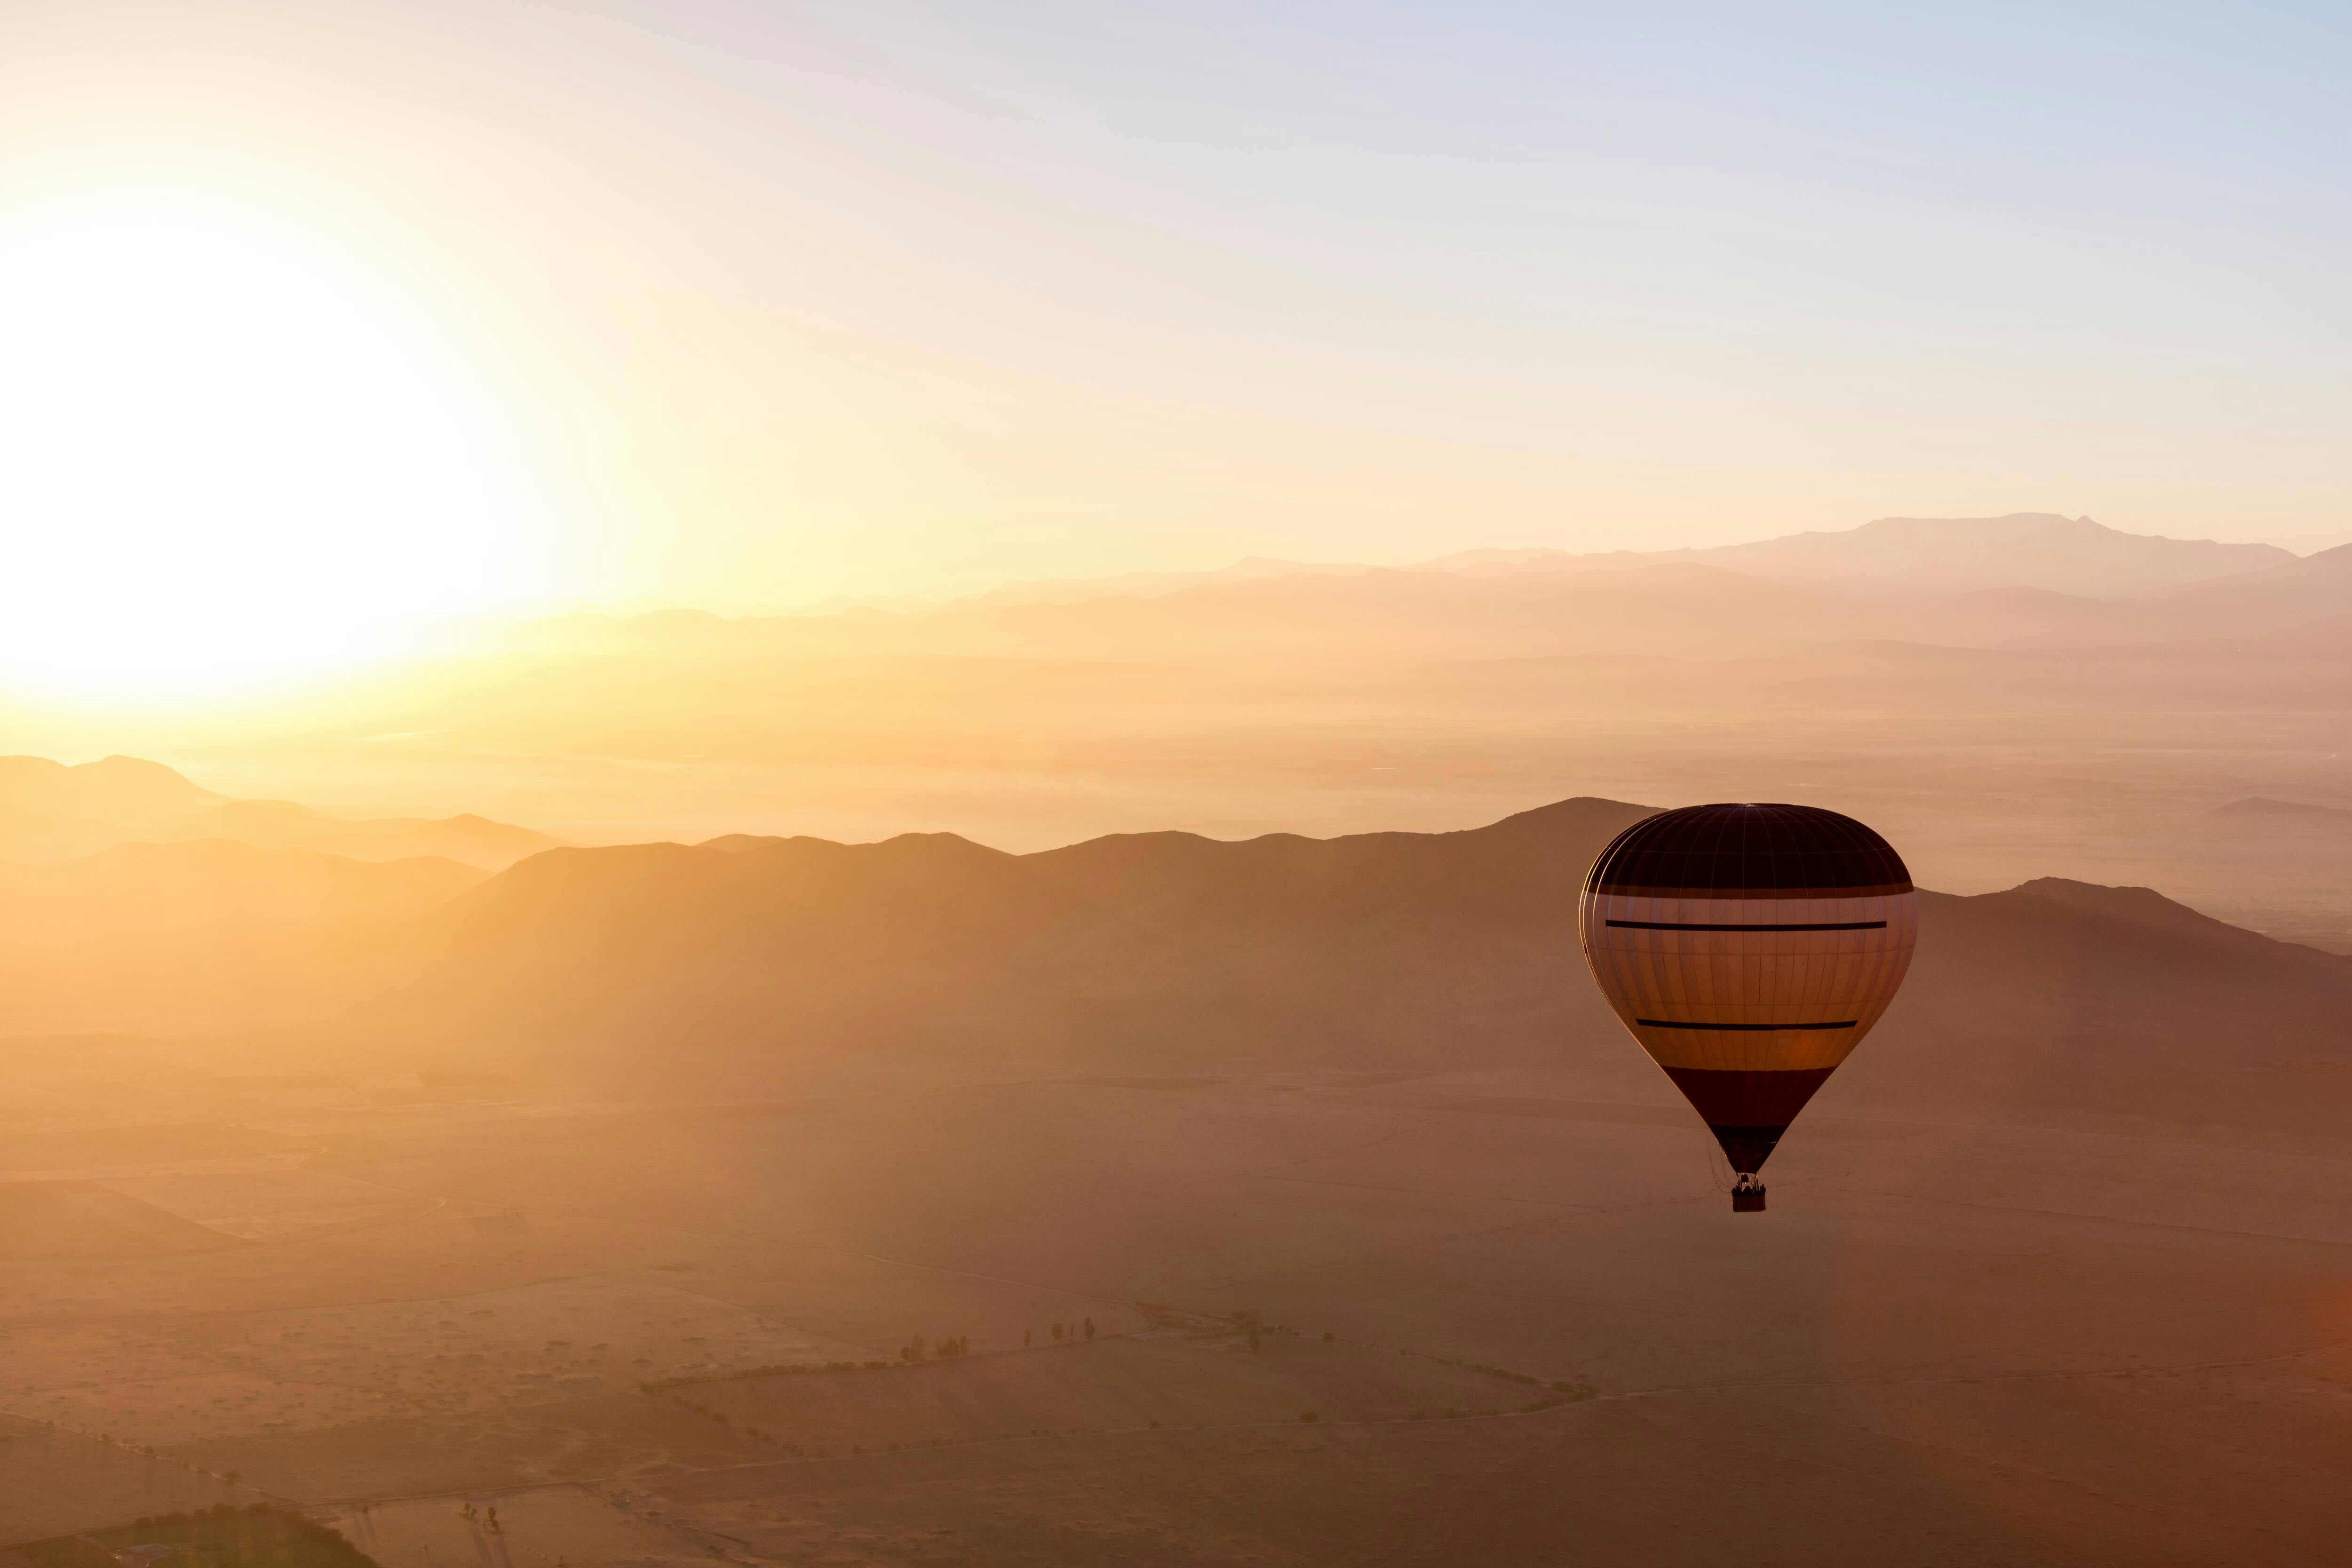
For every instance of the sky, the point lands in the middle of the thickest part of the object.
(446, 306)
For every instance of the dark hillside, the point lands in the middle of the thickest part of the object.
(1139, 948)
(1151, 952)
(2067, 997)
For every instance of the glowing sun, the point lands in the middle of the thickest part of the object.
(217, 470)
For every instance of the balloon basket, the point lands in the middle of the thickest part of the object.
(1747, 1198)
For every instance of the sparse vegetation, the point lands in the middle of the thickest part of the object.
(947, 1349)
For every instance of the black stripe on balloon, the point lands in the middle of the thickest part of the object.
(1742, 1028)
(1687, 925)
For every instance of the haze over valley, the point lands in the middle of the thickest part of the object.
(1998, 727)
(1270, 786)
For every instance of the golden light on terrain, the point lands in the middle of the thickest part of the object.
(222, 471)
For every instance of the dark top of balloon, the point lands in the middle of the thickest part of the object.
(1748, 846)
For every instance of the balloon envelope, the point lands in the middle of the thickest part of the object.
(1748, 948)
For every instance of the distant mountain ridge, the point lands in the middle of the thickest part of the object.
(1906, 555)
(278, 824)
(1909, 555)
(2025, 580)
(50, 810)
(127, 888)
(1928, 555)
(215, 890)
(2316, 836)
(125, 790)
(2309, 590)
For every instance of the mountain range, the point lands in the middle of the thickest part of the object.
(2024, 580)
(1937, 555)
(1153, 953)
(1893, 555)
(1170, 954)
(52, 811)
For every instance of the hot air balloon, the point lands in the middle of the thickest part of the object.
(1748, 948)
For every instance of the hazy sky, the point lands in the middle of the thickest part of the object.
(763, 302)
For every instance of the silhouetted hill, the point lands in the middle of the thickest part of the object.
(1136, 947)
(115, 789)
(2311, 592)
(278, 824)
(2064, 996)
(52, 812)
(1167, 951)
(48, 808)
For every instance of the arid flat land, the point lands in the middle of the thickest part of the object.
(1546, 1335)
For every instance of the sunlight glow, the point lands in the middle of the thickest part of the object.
(217, 471)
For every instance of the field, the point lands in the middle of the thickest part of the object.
(1516, 1307)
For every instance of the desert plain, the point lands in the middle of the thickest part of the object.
(1506, 1312)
